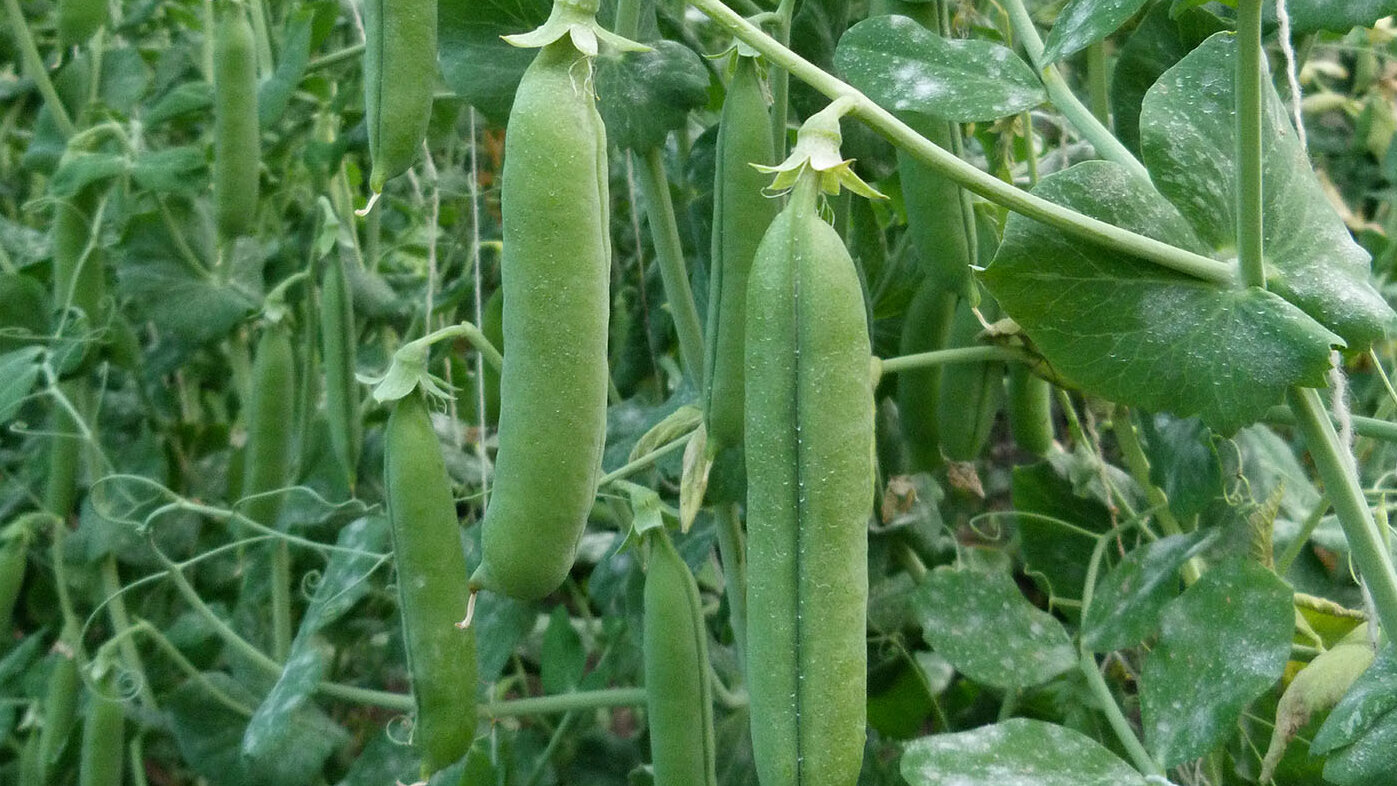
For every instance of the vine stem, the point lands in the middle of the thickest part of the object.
(1250, 100)
(1062, 97)
(967, 175)
(942, 357)
(669, 252)
(1345, 493)
(1373, 428)
(34, 65)
(565, 702)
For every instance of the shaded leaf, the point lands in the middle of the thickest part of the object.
(906, 68)
(1082, 23)
(642, 96)
(177, 170)
(345, 580)
(476, 64)
(294, 55)
(1053, 554)
(1017, 751)
(1223, 643)
(19, 370)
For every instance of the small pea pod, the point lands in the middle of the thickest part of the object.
(925, 328)
(79, 19)
(679, 691)
(432, 592)
(103, 731)
(338, 339)
(270, 418)
(971, 394)
(555, 275)
(1030, 409)
(236, 144)
(809, 415)
(400, 72)
(14, 554)
(60, 708)
(741, 215)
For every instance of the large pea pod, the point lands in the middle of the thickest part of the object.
(270, 425)
(971, 394)
(741, 215)
(432, 592)
(809, 415)
(236, 145)
(103, 735)
(338, 339)
(1030, 409)
(556, 276)
(679, 694)
(925, 328)
(79, 19)
(400, 72)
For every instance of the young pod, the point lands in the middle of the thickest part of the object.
(14, 554)
(1030, 408)
(271, 413)
(400, 72)
(971, 394)
(809, 416)
(103, 731)
(338, 339)
(925, 328)
(60, 708)
(556, 278)
(236, 144)
(432, 593)
(679, 693)
(741, 214)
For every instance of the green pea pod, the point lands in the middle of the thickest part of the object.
(925, 328)
(103, 737)
(809, 415)
(555, 276)
(60, 709)
(937, 221)
(270, 435)
(432, 592)
(741, 215)
(1030, 408)
(14, 554)
(971, 394)
(31, 770)
(79, 19)
(679, 692)
(338, 339)
(400, 72)
(236, 144)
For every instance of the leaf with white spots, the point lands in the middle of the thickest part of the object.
(267, 731)
(906, 68)
(984, 626)
(1126, 606)
(1360, 735)
(1082, 23)
(1222, 644)
(1017, 752)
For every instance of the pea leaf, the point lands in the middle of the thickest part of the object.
(1164, 36)
(1360, 735)
(274, 94)
(19, 370)
(1082, 23)
(1189, 142)
(344, 581)
(989, 631)
(267, 731)
(906, 68)
(1017, 751)
(1336, 16)
(1223, 643)
(642, 96)
(177, 170)
(475, 63)
(1055, 557)
(1126, 607)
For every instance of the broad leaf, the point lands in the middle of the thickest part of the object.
(1055, 556)
(1337, 16)
(475, 63)
(1360, 735)
(345, 580)
(1134, 332)
(267, 731)
(78, 170)
(906, 68)
(24, 311)
(1164, 36)
(642, 96)
(19, 370)
(1183, 461)
(1189, 144)
(178, 170)
(1082, 23)
(983, 625)
(274, 94)
(1016, 752)
(1223, 643)
(1126, 607)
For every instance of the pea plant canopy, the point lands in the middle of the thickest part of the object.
(779, 392)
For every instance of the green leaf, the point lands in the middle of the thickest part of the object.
(1183, 461)
(1082, 23)
(125, 78)
(267, 732)
(1336, 16)
(1054, 555)
(1017, 751)
(476, 64)
(24, 311)
(1133, 332)
(906, 68)
(1189, 144)
(1126, 607)
(274, 94)
(989, 631)
(78, 170)
(183, 99)
(19, 370)
(1372, 698)
(564, 659)
(1223, 643)
(1160, 41)
(345, 580)
(642, 96)
(178, 170)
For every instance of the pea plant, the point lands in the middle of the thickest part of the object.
(780, 392)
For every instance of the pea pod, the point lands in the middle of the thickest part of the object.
(236, 144)
(971, 394)
(555, 275)
(338, 340)
(60, 708)
(925, 328)
(400, 72)
(741, 215)
(1030, 408)
(432, 593)
(14, 554)
(679, 692)
(103, 732)
(809, 415)
(270, 435)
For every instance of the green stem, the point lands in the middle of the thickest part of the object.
(34, 67)
(281, 600)
(734, 555)
(1346, 494)
(647, 460)
(941, 357)
(1250, 98)
(1307, 529)
(1062, 97)
(470, 333)
(1363, 426)
(121, 622)
(780, 81)
(669, 251)
(967, 175)
(346, 54)
(565, 702)
(1098, 86)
